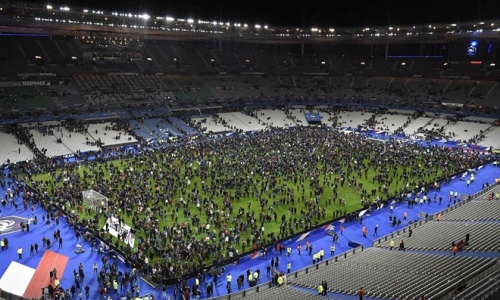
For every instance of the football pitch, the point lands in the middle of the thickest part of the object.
(248, 191)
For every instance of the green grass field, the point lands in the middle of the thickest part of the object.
(182, 172)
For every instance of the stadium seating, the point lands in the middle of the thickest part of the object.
(282, 292)
(484, 288)
(438, 236)
(13, 151)
(274, 118)
(216, 74)
(297, 116)
(210, 125)
(109, 136)
(240, 121)
(406, 274)
(465, 131)
(188, 130)
(354, 119)
(391, 123)
(491, 138)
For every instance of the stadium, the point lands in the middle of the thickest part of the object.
(170, 158)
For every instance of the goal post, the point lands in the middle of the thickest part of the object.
(94, 199)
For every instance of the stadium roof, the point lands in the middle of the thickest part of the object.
(69, 20)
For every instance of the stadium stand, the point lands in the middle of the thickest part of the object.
(354, 119)
(406, 274)
(466, 132)
(297, 116)
(439, 236)
(210, 125)
(273, 118)
(188, 130)
(147, 91)
(391, 123)
(414, 126)
(285, 291)
(13, 151)
(241, 122)
(485, 287)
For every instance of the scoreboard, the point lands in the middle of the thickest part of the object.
(472, 50)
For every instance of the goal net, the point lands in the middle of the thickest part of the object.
(94, 199)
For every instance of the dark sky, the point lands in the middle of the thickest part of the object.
(308, 13)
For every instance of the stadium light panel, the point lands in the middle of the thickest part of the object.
(49, 7)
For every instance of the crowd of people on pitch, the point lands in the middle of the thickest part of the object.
(182, 182)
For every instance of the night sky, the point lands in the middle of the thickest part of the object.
(307, 13)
